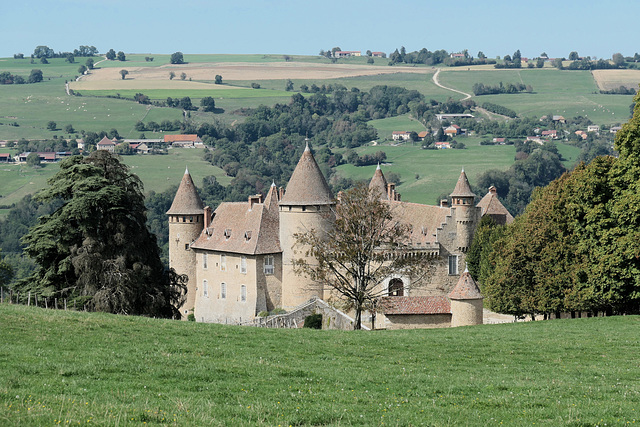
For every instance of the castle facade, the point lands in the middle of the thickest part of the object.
(239, 258)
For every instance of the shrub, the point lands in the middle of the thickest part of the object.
(313, 321)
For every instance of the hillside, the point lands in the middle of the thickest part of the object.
(71, 367)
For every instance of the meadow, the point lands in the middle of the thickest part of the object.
(78, 368)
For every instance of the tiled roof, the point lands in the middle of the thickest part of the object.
(491, 205)
(182, 138)
(242, 228)
(415, 305)
(106, 142)
(466, 288)
(463, 189)
(307, 185)
(379, 183)
(187, 201)
(423, 221)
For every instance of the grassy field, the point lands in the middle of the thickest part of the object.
(157, 172)
(77, 368)
(568, 93)
(385, 127)
(437, 170)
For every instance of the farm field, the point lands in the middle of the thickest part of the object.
(157, 172)
(613, 79)
(568, 93)
(73, 367)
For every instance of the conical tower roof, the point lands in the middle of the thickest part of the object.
(463, 189)
(379, 184)
(307, 185)
(187, 200)
(466, 288)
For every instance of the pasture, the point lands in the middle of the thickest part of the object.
(80, 368)
(613, 79)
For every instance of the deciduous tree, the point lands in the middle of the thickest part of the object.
(365, 245)
(123, 73)
(177, 58)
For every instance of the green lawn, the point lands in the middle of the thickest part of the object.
(79, 368)
(401, 123)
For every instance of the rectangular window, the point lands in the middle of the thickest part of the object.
(243, 264)
(268, 264)
(205, 288)
(223, 262)
(243, 293)
(204, 261)
(223, 291)
(453, 264)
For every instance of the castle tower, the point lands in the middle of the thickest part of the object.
(466, 213)
(186, 220)
(379, 184)
(306, 205)
(466, 302)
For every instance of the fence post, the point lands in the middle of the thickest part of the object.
(36, 298)
(65, 304)
(55, 302)
(46, 303)
(29, 299)
(11, 296)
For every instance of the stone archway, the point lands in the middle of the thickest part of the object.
(396, 287)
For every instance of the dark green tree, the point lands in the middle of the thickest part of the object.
(177, 58)
(120, 56)
(33, 159)
(82, 69)
(96, 248)
(289, 86)
(111, 54)
(35, 76)
(89, 63)
(123, 73)
(218, 79)
(573, 56)
(208, 104)
(51, 125)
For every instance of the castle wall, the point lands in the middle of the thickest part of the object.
(299, 219)
(232, 307)
(183, 230)
(466, 312)
(418, 321)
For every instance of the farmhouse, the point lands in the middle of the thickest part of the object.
(398, 135)
(593, 128)
(346, 53)
(106, 144)
(5, 157)
(443, 145)
(189, 140)
(442, 117)
(239, 258)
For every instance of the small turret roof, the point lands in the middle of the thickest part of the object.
(466, 288)
(307, 185)
(463, 189)
(379, 183)
(491, 205)
(187, 201)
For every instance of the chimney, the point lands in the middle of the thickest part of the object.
(280, 193)
(391, 190)
(444, 203)
(254, 199)
(207, 217)
(493, 190)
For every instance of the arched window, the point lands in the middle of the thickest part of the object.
(396, 288)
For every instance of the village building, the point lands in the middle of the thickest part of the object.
(186, 140)
(239, 258)
(593, 128)
(346, 53)
(550, 134)
(400, 135)
(106, 144)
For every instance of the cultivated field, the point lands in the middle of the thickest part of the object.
(613, 79)
(78, 368)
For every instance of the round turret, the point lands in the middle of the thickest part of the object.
(466, 213)
(186, 220)
(466, 302)
(306, 205)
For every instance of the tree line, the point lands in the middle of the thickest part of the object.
(576, 246)
(482, 89)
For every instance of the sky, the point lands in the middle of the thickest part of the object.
(495, 27)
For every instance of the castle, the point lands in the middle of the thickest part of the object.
(239, 258)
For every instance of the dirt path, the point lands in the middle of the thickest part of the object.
(437, 83)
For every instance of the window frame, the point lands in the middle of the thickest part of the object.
(269, 267)
(453, 265)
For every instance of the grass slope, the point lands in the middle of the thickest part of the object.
(78, 368)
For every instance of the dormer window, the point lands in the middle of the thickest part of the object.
(247, 236)
(227, 234)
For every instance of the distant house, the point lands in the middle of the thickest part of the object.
(5, 157)
(499, 140)
(615, 129)
(141, 148)
(593, 128)
(45, 156)
(452, 130)
(80, 143)
(582, 134)
(442, 117)
(443, 145)
(457, 55)
(422, 135)
(398, 135)
(560, 119)
(346, 53)
(550, 134)
(187, 140)
(535, 139)
(378, 54)
(106, 144)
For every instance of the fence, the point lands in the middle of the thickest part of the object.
(10, 297)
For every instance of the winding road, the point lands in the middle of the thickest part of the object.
(437, 83)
